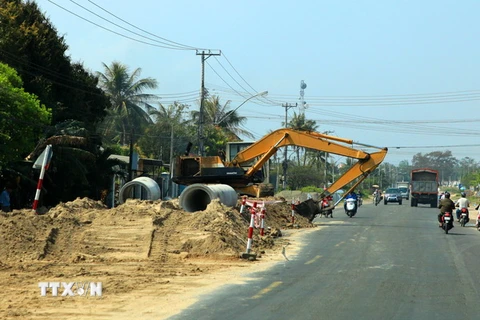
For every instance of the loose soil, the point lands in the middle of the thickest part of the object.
(153, 258)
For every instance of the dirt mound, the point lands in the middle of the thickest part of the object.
(150, 253)
(86, 230)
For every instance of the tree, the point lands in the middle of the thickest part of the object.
(31, 45)
(22, 117)
(156, 142)
(221, 124)
(130, 106)
(467, 167)
(300, 176)
(299, 122)
(443, 161)
(404, 169)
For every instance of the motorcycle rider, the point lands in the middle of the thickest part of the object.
(376, 196)
(462, 203)
(446, 205)
(350, 195)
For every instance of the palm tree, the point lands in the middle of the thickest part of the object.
(222, 117)
(170, 126)
(130, 106)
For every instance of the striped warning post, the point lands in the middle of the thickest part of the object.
(244, 202)
(253, 211)
(45, 163)
(262, 219)
(293, 212)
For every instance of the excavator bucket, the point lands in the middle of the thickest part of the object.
(308, 209)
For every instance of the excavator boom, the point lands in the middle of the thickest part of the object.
(241, 171)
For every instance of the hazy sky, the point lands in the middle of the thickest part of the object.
(385, 73)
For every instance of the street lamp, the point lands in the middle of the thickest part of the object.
(264, 93)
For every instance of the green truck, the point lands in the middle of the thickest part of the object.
(424, 187)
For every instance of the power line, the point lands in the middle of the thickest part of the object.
(181, 47)
(115, 32)
(147, 32)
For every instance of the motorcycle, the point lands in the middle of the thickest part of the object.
(325, 203)
(350, 207)
(463, 217)
(447, 221)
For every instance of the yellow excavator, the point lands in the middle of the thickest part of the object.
(242, 168)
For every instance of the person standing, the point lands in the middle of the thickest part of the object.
(5, 199)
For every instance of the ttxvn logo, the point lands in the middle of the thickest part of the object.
(71, 289)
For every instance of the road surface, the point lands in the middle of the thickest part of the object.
(388, 262)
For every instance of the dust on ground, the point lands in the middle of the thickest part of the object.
(152, 258)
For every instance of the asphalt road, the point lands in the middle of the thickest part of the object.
(388, 262)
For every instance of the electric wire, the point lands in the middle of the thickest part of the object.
(143, 30)
(238, 93)
(115, 32)
(128, 30)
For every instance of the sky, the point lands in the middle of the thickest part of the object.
(396, 74)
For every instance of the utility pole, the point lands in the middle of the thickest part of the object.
(285, 164)
(205, 54)
(170, 181)
(326, 162)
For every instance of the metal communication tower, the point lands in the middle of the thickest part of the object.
(303, 85)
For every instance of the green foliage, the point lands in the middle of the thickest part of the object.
(156, 142)
(118, 149)
(31, 45)
(129, 112)
(217, 140)
(299, 177)
(311, 189)
(443, 161)
(22, 117)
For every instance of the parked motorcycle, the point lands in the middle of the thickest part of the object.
(463, 217)
(447, 221)
(350, 207)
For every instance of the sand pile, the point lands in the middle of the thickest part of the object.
(85, 230)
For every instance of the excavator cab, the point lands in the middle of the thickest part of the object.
(231, 151)
(218, 169)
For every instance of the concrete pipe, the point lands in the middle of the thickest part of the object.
(196, 197)
(143, 188)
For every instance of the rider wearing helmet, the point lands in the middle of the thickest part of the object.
(462, 203)
(445, 205)
(350, 195)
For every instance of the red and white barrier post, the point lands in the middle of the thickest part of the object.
(45, 162)
(293, 212)
(253, 212)
(262, 220)
(244, 202)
